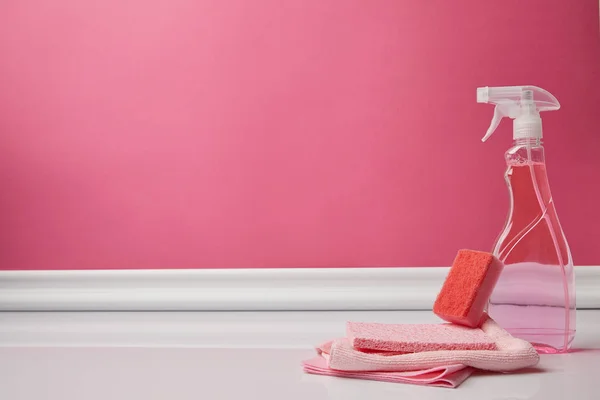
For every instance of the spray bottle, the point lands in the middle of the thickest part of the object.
(535, 295)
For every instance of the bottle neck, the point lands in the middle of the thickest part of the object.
(526, 150)
(528, 142)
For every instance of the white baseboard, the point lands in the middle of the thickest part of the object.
(240, 289)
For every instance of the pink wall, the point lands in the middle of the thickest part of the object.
(270, 133)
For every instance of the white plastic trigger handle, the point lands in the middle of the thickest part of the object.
(500, 111)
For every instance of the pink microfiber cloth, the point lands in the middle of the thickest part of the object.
(412, 338)
(342, 359)
(449, 376)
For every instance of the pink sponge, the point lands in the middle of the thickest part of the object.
(468, 287)
(413, 338)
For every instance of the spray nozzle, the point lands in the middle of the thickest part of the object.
(521, 103)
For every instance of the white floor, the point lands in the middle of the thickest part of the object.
(230, 355)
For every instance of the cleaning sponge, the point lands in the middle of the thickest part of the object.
(414, 338)
(468, 287)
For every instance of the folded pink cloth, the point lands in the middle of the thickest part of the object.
(511, 354)
(447, 368)
(449, 376)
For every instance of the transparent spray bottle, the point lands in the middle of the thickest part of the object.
(535, 295)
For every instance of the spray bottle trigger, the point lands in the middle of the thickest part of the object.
(498, 115)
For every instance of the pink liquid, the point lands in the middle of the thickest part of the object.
(534, 298)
